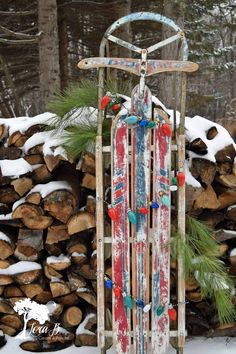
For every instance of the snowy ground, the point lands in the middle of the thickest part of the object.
(193, 346)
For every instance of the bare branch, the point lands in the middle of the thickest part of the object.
(18, 34)
(19, 41)
(18, 13)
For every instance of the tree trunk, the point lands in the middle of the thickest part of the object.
(48, 50)
(167, 92)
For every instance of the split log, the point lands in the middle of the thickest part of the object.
(86, 271)
(212, 219)
(60, 204)
(68, 300)
(62, 337)
(90, 206)
(226, 155)
(72, 316)
(231, 213)
(57, 233)
(193, 193)
(8, 195)
(212, 133)
(203, 170)
(79, 258)
(5, 280)
(32, 290)
(227, 198)
(59, 288)
(33, 198)
(55, 249)
(207, 199)
(27, 277)
(84, 334)
(76, 244)
(41, 175)
(6, 247)
(52, 162)
(10, 331)
(14, 137)
(51, 273)
(3, 131)
(58, 263)
(9, 153)
(13, 321)
(87, 163)
(75, 281)
(198, 146)
(81, 221)
(89, 181)
(22, 185)
(29, 244)
(38, 223)
(12, 291)
(88, 295)
(228, 181)
(224, 168)
(5, 307)
(44, 297)
(34, 159)
(224, 235)
(36, 150)
(26, 210)
(20, 142)
(31, 346)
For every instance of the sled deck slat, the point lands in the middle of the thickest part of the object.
(161, 239)
(140, 197)
(120, 234)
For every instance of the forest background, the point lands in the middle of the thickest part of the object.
(42, 41)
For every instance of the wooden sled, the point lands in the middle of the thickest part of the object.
(141, 146)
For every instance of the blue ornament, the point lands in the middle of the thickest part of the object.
(140, 303)
(165, 200)
(143, 123)
(154, 205)
(108, 283)
(132, 217)
(131, 120)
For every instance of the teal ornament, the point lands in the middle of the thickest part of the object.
(110, 104)
(151, 124)
(165, 200)
(128, 301)
(154, 205)
(132, 217)
(174, 180)
(143, 123)
(140, 303)
(160, 310)
(108, 283)
(131, 120)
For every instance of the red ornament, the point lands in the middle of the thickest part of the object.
(112, 214)
(181, 178)
(172, 314)
(115, 107)
(104, 102)
(117, 292)
(143, 211)
(167, 130)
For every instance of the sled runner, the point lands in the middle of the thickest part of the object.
(142, 140)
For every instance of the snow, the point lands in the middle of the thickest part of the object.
(20, 267)
(197, 127)
(47, 188)
(81, 328)
(223, 345)
(21, 124)
(231, 207)
(18, 202)
(233, 252)
(94, 253)
(4, 237)
(83, 290)
(60, 259)
(15, 168)
(77, 254)
(6, 216)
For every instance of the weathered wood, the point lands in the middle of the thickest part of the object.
(33, 198)
(68, 300)
(227, 198)
(12, 291)
(3, 131)
(59, 288)
(226, 155)
(79, 258)
(58, 263)
(14, 137)
(41, 174)
(38, 222)
(224, 168)
(9, 153)
(87, 163)
(89, 181)
(204, 170)
(211, 218)
(231, 213)
(32, 290)
(86, 271)
(72, 316)
(228, 181)
(52, 162)
(31, 346)
(36, 150)
(27, 277)
(60, 204)
(207, 199)
(77, 244)
(26, 210)
(75, 281)
(5, 307)
(81, 221)
(44, 297)
(90, 206)
(20, 141)
(193, 193)
(29, 244)
(13, 321)
(6, 249)
(212, 133)
(57, 233)
(61, 338)
(5, 280)
(22, 185)
(10, 331)
(88, 295)
(51, 273)
(8, 195)
(34, 159)
(198, 146)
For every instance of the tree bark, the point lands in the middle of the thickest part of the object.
(49, 75)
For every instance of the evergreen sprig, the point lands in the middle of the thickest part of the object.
(200, 253)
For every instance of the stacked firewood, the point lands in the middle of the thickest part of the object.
(47, 235)
(211, 198)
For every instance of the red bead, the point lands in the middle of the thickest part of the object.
(172, 314)
(143, 210)
(166, 130)
(115, 107)
(112, 214)
(181, 178)
(117, 292)
(104, 102)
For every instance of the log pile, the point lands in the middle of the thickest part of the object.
(47, 233)
(211, 197)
